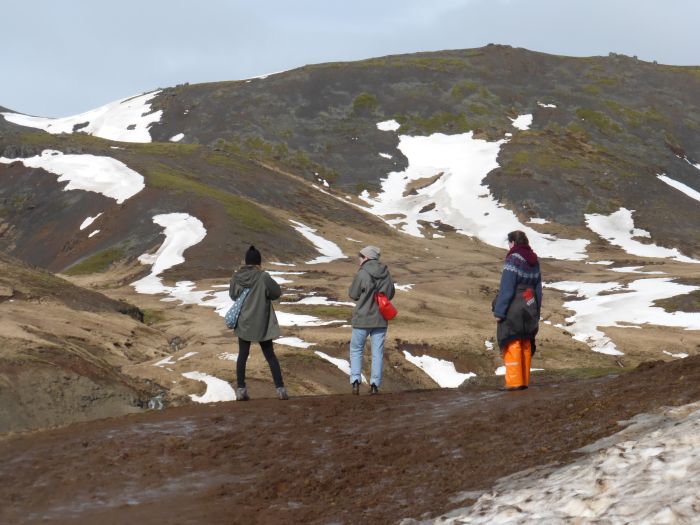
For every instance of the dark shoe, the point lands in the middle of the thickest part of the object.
(373, 389)
(524, 387)
(282, 393)
(242, 394)
(356, 388)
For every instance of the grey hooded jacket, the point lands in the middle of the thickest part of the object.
(257, 321)
(366, 313)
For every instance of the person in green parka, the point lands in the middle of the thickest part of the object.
(257, 321)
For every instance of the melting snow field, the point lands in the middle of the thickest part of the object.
(647, 473)
(126, 120)
(442, 372)
(618, 229)
(457, 196)
(103, 175)
(631, 304)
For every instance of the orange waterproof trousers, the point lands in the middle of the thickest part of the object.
(517, 358)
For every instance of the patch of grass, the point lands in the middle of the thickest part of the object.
(442, 121)
(152, 317)
(463, 89)
(591, 89)
(478, 109)
(634, 117)
(166, 149)
(96, 263)
(600, 120)
(165, 177)
(365, 103)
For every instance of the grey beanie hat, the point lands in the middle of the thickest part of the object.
(371, 252)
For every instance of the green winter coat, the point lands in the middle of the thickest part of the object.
(257, 321)
(366, 313)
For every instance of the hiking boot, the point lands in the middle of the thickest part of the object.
(373, 389)
(242, 394)
(282, 393)
(356, 388)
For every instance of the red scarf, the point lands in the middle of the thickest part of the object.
(525, 252)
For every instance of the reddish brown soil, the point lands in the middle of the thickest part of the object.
(335, 459)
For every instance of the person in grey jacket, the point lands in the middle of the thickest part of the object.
(373, 276)
(257, 320)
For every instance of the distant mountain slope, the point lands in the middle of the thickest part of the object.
(603, 127)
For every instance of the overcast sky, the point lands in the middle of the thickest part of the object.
(63, 57)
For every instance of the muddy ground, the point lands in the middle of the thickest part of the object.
(329, 459)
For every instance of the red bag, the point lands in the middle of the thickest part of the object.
(387, 309)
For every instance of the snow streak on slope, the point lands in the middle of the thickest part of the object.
(622, 307)
(181, 232)
(126, 120)
(342, 364)
(459, 164)
(690, 192)
(647, 473)
(329, 250)
(618, 229)
(103, 175)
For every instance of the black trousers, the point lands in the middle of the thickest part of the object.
(268, 352)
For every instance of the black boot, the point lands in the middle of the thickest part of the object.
(373, 389)
(356, 388)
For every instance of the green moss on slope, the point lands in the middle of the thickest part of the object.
(98, 262)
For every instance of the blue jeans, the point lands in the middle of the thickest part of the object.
(357, 345)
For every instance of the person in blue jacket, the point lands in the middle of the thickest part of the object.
(517, 310)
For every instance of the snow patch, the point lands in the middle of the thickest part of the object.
(294, 342)
(457, 196)
(126, 120)
(329, 250)
(177, 138)
(618, 229)
(388, 125)
(632, 304)
(690, 192)
(318, 300)
(289, 319)
(522, 122)
(404, 287)
(646, 473)
(217, 389)
(677, 356)
(181, 232)
(87, 222)
(103, 175)
(442, 372)
(342, 364)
